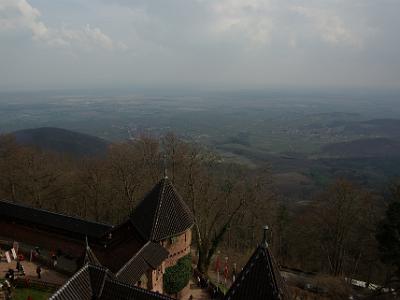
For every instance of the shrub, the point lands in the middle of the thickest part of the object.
(178, 276)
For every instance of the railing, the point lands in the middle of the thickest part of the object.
(30, 282)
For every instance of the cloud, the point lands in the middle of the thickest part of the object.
(20, 15)
(264, 22)
(200, 42)
(329, 26)
(251, 18)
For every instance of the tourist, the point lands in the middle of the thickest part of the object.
(38, 271)
(18, 266)
(54, 259)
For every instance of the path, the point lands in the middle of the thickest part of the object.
(197, 292)
(30, 270)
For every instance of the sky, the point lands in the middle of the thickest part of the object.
(211, 44)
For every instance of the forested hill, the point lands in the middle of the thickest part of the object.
(62, 141)
(372, 147)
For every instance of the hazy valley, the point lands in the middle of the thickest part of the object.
(307, 140)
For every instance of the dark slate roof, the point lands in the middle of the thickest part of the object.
(150, 256)
(96, 282)
(162, 213)
(116, 290)
(77, 287)
(59, 222)
(260, 279)
(90, 257)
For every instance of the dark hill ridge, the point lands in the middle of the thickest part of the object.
(62, 141)
(373, 147)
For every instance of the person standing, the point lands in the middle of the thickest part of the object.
(38, 271)
(18, 266)
(54, 259)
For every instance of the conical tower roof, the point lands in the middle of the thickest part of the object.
(162, 213)
(260, 279)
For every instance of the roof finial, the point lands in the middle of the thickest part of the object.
(165, 166)
(265, 240)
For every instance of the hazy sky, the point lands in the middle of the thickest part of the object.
(199, 43)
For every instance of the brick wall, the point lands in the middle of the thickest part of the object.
(177, 247)
(156, 279)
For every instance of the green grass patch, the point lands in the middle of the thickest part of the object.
(22, 294)
(222, 288)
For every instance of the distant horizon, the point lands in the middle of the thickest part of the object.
(175, 90)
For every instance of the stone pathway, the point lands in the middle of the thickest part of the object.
(197, 292)
(30, 270)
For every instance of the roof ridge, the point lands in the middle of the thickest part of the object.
(90, 256)
(160, 200)
(132, 258)
(103, 283)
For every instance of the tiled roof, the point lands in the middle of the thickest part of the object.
(260, 279)
(90, 257)
(96, 282)
(116, 290)
(73, 226)
(77, 287)
(162, 213)
(150, 256)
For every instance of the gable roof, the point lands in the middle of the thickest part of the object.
(150, 256)
(162, 213)
(96, 282)
(260, 279)
(74, 227)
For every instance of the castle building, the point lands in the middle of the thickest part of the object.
(128, 261)
(154, 237)
(95, 282)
